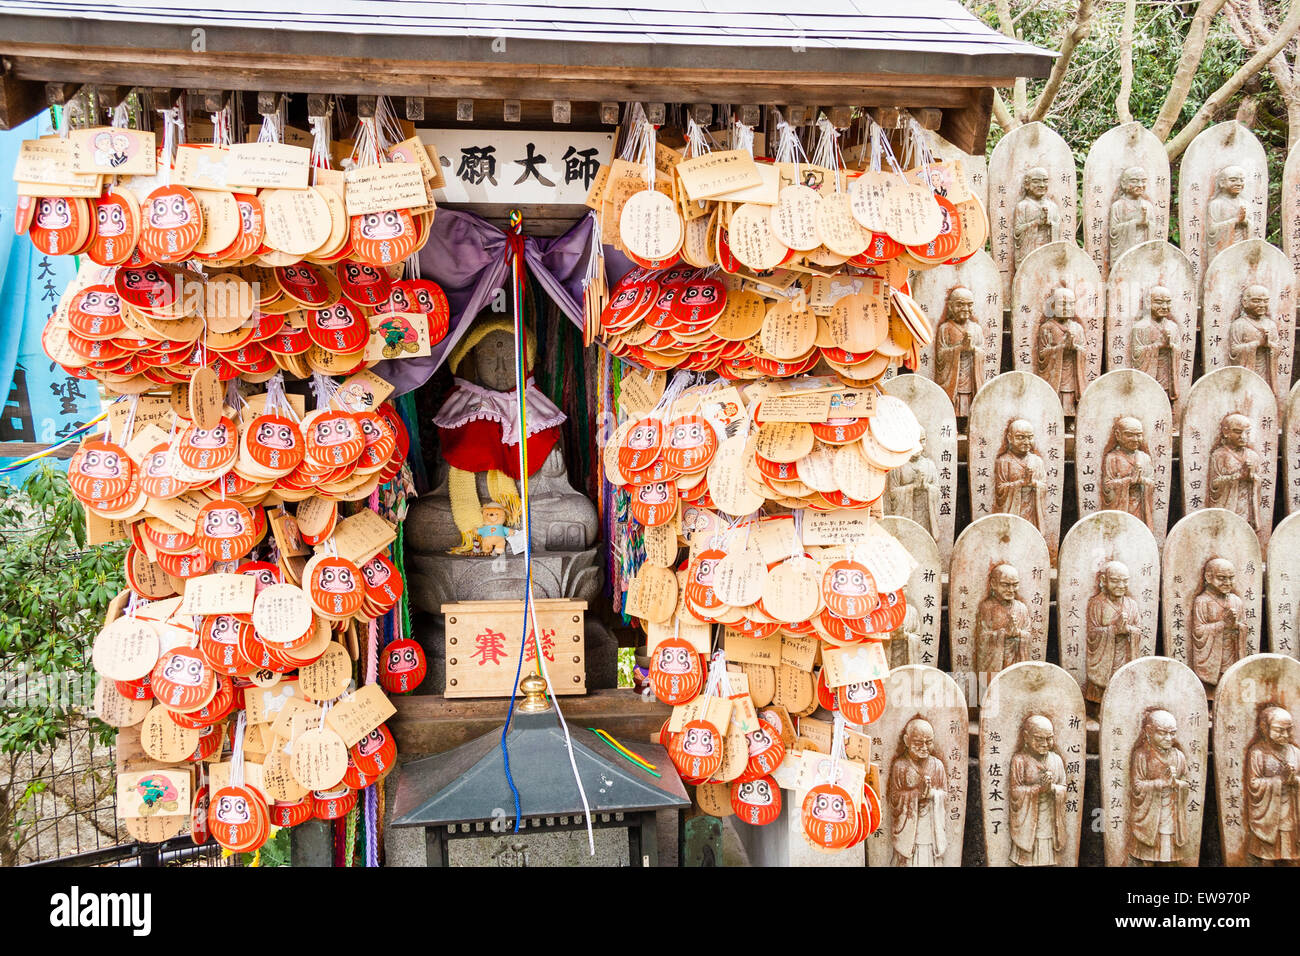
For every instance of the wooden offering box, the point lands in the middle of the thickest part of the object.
(483, 640)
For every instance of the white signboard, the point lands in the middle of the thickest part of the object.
(517, 166)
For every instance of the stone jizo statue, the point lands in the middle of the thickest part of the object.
(1127, 476)
(1114, 628)
(1227, 219)
(1219, 627)
(1155, 339)
(1019, 476)
(959, 350)
(1272, 791)
(917, 794)
(1002, 636)
(1061, 349)
(1234, 472)
(1253, 338)
(1132, 214)
(1158, 792)
(913, 490)
(1037, 219)
(1036, 794)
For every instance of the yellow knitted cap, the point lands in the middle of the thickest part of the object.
(479, 331)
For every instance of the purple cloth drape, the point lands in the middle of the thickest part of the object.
(465, 255)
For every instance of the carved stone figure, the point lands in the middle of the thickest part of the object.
(1061, 353)
(1114, 628)
(1037, 796)
(917, 794)
(1226, 217)
(1132, 214)
(1127, 475)
(1037, 219)
(959, 350)
(1158, 792)
(1002, 635)
(1253, 337)
(913, 490)
(1156, 341)
(1272, 790)
(905, 641)
(1020, 478)
(1234, 473)
(1219, 629)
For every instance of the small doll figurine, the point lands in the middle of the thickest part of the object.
(493, 532)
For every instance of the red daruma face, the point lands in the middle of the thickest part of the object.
(337, 580)
(642, 437)
(224, 523)
(273, 435)
(830, 807)
(358, 273)
(656, 493)
(232, 810)
(688, 435)
(372, 742)
(376, 571)
(850, 581)
(381, 225)
(110, 221)
(675, 671)
(336, 431)
(94, 302)
(168, 212)
(704, 569)
(53, 214)
(402, 660)
(215, 437)
(184, 671)
(756, 793)
(699, 742)
(101, 464)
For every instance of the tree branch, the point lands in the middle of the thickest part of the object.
(1122, 110)
(1193, 49)
(1019, 90)
(1073, 37)
(1002, 114)
(1286, 32)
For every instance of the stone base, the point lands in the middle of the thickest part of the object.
(438, 579)
(600, 653)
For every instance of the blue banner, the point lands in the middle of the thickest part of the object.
(41, 403)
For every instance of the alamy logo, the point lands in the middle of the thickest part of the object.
(77, 909)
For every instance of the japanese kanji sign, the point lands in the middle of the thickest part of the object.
(518, 166)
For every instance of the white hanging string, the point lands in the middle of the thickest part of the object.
(827, 152)
(742, 137)
(323, 387)
(237, 751)
(632, 122)
(788, 147)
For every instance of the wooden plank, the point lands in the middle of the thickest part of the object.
(314, 74)
(20, 100)
(967, 128)
(21, 449)
(478, 669)
(431, 724)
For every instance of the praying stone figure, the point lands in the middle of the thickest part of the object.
(917, 794)
(1158, 792)
(1002, 635)
(1155, 340)
(1037, 219)
(913, 490)
(1227, 220)
(1037, 796)
(1219, 629)
(1114, 628)
(1061, 349)
(905, 641)
(959, 350)
(1234, 474)
(1019, 476)
(1253, 339)
(1132, 214)
(1127, 476)
(1272, 791)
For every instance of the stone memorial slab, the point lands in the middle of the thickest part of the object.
(916, 640)
(1032, 195)
(1151, 303)
(1291, 449)
(921, 744)
(1291, 208)
(1222, 192)
(1211, 593)
(1017, 452)
(1249, 313)
(1282, 587)
(998, 595)
(1032, 766)
(1107, 597)
(1125, 193)
(965, 304)
(925, 488)
(1123, 449)
(1154, 729)
(1056, 320)
(1229, 447)
(1257, 761)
